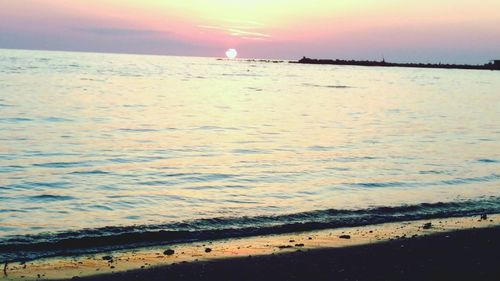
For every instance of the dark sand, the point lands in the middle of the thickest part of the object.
(472, 254)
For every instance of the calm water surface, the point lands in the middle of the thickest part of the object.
(99, 140)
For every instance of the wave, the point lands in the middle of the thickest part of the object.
(27, 247)
(455, 181)
(50, 197)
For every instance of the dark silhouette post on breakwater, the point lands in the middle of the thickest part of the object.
(495, 63)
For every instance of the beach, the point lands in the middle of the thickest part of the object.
(441, 249)
(462, 255)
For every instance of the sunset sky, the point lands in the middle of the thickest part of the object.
(457, 31)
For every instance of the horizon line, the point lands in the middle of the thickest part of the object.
(206, 56)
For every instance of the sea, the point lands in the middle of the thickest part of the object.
(112, 151)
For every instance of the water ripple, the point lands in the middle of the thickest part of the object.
(50, 197)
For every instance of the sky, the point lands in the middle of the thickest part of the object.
(448, 31)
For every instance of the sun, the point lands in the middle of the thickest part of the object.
(231, 53)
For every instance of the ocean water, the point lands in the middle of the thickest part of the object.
(105, 151)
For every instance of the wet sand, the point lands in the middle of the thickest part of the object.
(446, 249)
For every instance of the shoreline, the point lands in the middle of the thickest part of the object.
(158, 259)
(383, 63)
(470, 254)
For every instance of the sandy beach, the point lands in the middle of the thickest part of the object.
(440, 249)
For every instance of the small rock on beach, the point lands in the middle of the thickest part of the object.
(168, 252)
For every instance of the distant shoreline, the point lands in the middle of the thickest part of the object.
(383, 63)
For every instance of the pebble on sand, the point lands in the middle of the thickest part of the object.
(168, 252)
(345, 236)
(208, 250)
(427, 225)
